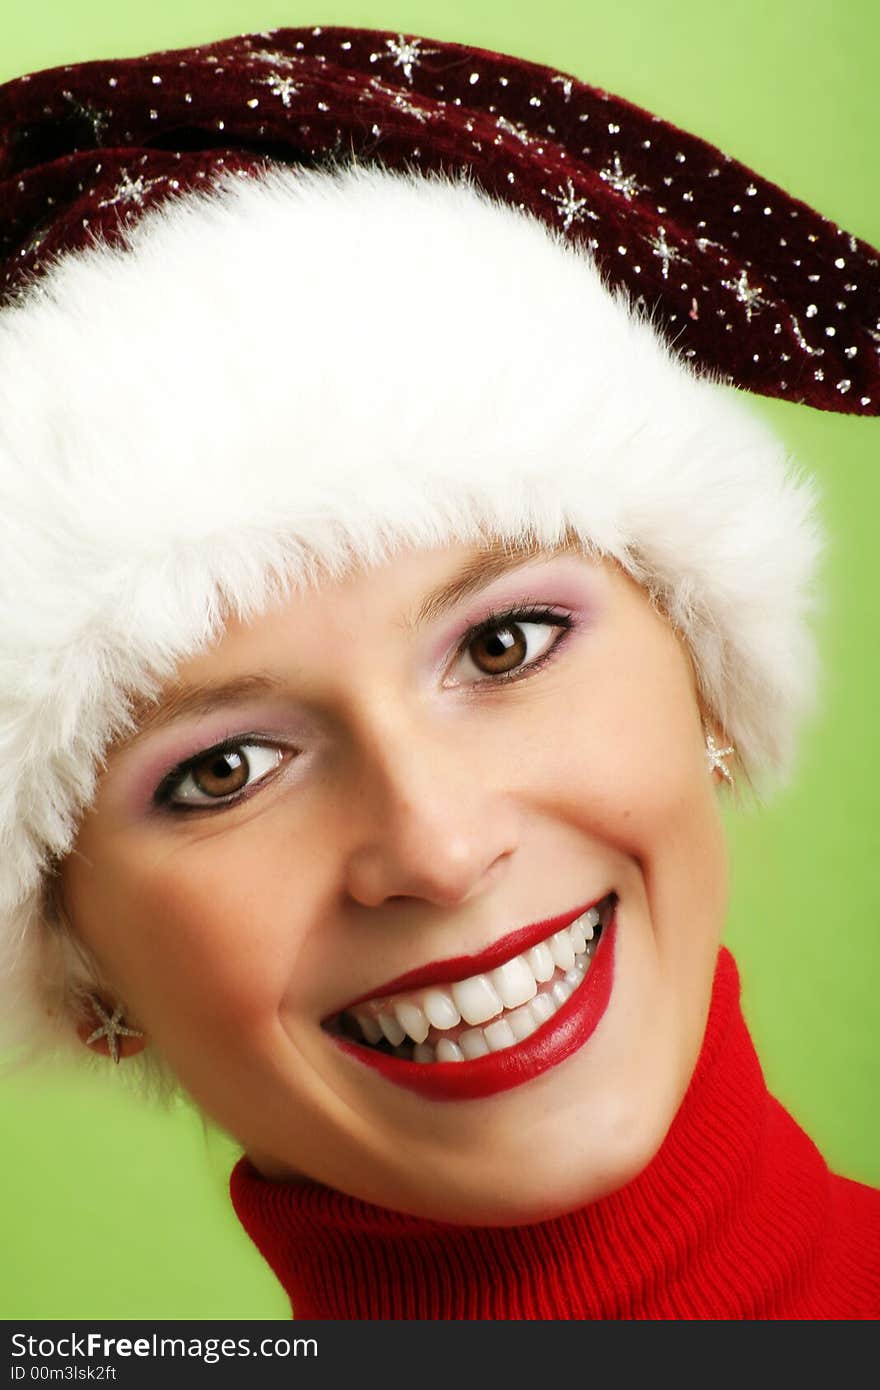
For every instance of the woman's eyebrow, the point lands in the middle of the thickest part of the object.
(200, 699)
(478, 572)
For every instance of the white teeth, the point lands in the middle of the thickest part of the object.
(368, 1026)
(412, 1020)
(441, 1011)
(511, 987)
(392, 1029)
(581, 929)
(473, 1044)
(523, 1022)
(515, 982)
(504, 1032)
(541, 962)
(542, 1007)
(578, 937)
(476, 999)
(561, 991)
(562, 950)
(499, 1035)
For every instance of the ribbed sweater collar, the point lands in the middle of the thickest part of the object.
(727, 1221)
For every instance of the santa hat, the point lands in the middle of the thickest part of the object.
(291, 301)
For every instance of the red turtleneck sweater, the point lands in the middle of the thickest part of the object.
(737, 1217)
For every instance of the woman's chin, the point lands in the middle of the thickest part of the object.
(543, 1197)
(515, 1184)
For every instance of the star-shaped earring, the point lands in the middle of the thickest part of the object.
(715, 756)
(112, 1028)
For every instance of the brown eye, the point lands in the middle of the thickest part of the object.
(508, 645)
(217, 777)
(222, 773)
(499, 649)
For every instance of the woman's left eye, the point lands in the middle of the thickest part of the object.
(219, 775)
(508, 644)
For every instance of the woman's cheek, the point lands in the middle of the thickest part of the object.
(197, 935)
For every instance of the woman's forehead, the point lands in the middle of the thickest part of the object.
(418, 587)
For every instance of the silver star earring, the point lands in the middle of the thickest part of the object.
(715, 756)
(111, 1027)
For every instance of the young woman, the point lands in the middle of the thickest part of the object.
(388, 605)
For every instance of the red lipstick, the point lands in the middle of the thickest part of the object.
(563, 1034)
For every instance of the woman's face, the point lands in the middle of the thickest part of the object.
(419, 762)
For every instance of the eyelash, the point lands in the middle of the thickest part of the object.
(497, 622)
(510, 617)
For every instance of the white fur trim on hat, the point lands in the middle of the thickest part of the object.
(321, 367)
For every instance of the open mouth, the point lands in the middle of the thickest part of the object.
(484, 1013)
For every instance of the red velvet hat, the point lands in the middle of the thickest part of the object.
(746, 281)
(289, 302)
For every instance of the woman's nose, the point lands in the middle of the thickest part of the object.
(429, 823)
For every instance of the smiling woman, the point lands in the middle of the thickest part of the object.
(369, 726)
(464, 785)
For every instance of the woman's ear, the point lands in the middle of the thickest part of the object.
(102, 1025)
(109, 1032)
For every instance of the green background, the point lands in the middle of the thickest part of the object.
(111, 1209)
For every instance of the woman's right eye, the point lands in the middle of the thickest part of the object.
(220, 776)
